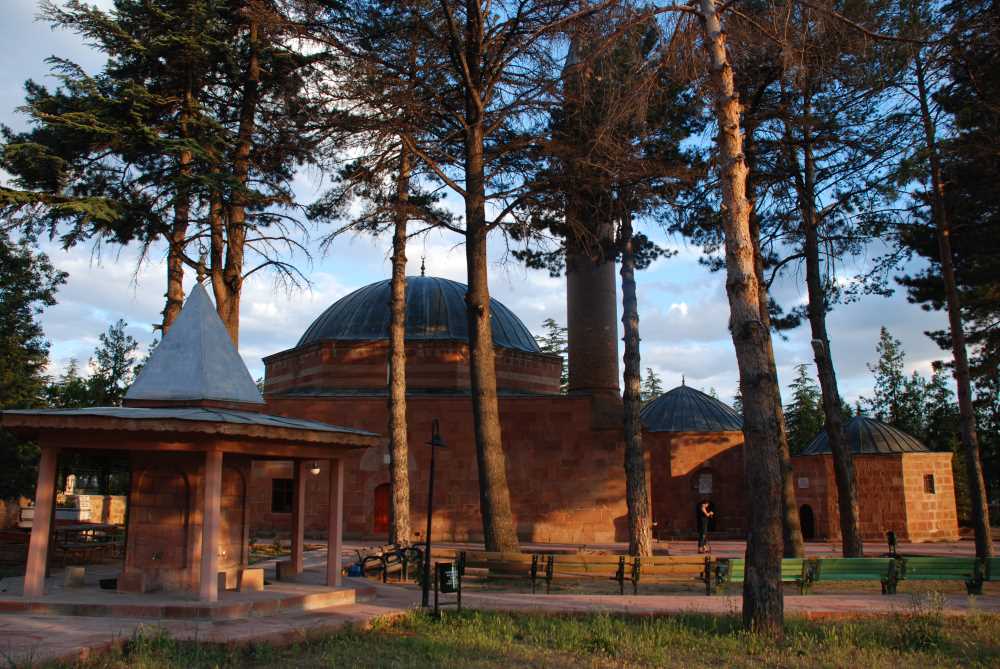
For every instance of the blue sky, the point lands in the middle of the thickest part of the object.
(682, 306)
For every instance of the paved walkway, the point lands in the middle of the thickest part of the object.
(25, 639)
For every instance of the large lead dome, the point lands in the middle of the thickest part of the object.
(435, 310)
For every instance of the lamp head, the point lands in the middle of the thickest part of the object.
(436, 440)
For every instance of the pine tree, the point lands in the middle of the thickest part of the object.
(955, 69)
(888, 379)
(652, 385)
(113, 365)
(70, 390)
(804, 415)
(154, 149)
(28, 284)
(554, 342)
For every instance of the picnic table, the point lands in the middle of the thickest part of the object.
(85, 541)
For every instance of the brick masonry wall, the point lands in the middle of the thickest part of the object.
(890, 496)
(164, 523)
(566, 478)
(440, 365)
(679, 459)
(929, 516)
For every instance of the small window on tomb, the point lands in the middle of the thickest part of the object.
(281, 495)
(929, 484)
(705, 483)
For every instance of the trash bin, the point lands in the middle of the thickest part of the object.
(447, 573)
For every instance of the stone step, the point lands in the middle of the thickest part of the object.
(194, 611)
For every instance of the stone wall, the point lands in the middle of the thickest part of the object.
(165, 521)
(566, 477)
(688, 467)
(931, 516)
(890, 495)
(430, 365)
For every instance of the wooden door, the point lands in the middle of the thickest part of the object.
(381, 506)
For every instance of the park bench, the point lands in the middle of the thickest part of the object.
(793, 570)
(883, 570)
(532, 566)
(963, 569)
(578, 566)
(388, 559)
(666, 569)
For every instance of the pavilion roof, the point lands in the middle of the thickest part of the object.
(196, 361)
(184, 420)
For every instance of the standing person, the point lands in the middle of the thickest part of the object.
(705, 514)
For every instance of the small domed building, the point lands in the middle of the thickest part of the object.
(695, 443)
(903, 486)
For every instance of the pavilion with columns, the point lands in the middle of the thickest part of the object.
(190, 428)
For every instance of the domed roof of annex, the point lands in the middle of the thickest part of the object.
(435, 310)
(685, 409)
(867, 435)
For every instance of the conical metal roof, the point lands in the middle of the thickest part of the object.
(435, 309)
(868, 435)
(685, 409)
(195, 361)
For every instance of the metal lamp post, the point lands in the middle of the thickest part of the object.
(435, 443)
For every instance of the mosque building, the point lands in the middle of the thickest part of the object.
(564, 451)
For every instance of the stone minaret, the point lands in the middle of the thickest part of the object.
(592, 323)
(591, 284)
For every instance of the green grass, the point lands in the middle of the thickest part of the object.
(493, 640)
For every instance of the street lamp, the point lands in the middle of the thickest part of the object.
(435, 443)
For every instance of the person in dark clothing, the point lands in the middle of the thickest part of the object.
(705, 515)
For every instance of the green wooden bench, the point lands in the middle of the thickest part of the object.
(883, 570)
(793, 570)
(532, 566)
(965, 569)
(668, 569)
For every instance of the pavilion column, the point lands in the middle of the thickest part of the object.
(335, 525)
(208, 590)
(301, 468)
(41, 524)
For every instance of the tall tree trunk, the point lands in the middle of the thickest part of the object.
(175, 270)
(178, 231)
(499, 531)
(763, 606)
(794, 546)
(843, 462)
(236, 233)
(399, 474)
(640, 522)
(970, 437)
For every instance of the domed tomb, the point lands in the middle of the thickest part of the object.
(695, 444)
(866, 435)
(435, 310)
(345, 350)
(685, 409)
